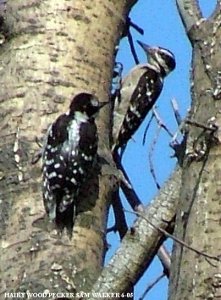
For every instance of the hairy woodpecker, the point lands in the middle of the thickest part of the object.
(139, 91)
(69, 153)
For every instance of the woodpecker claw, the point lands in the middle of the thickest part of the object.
(36, 157)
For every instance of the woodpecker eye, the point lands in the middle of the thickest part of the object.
(94, 102)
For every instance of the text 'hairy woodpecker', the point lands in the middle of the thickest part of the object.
(139, 92)
(69, 153)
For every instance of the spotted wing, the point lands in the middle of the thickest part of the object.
(54, 165)
(82, 145)
(142, 100)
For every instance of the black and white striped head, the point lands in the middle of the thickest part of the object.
(160, 57)
(85, 103)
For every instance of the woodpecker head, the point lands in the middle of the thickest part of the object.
(160, 57)
(86, 104)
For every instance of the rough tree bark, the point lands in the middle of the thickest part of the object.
(199, 213)
(52, 50)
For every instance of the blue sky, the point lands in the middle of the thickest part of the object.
(163, 27)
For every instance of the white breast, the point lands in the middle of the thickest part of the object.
(73, 135)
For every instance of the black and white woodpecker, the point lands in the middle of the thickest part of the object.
(69, 153)
(139, 91)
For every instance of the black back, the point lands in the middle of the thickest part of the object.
(142, 101)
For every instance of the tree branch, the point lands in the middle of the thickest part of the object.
(151, 285)
(179, 241)
(190, 13)
(120, 220)
(130, 193)
(165, 259)
(141, 242)
(216, 14)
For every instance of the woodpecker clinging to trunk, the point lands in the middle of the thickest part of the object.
(139, 91)
(69, 153)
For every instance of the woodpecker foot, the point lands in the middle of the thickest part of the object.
(36, 157)
(38, 154)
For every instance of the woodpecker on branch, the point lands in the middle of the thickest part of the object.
(69, 154)
(139, 91)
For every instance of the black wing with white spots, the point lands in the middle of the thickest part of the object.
(69, 154)
(138, 93)
(54, 165)
(142, 100)
(80, 153)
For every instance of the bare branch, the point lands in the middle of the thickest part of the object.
(132, 48)
(165, 259)
(127, 33)
(211, 128)
(121, 227)
(146, 129)
(120, 220)
(216, 14)
(151, 285)
(150, 156)
(160, 122)
(176, 111)
(190, 13)
(141, 242)
(130, 193)
(136, 27)
(179, 241)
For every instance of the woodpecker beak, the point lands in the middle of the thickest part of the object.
(147, 48)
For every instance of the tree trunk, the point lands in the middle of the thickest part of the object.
(194, 276)
(52, 50)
